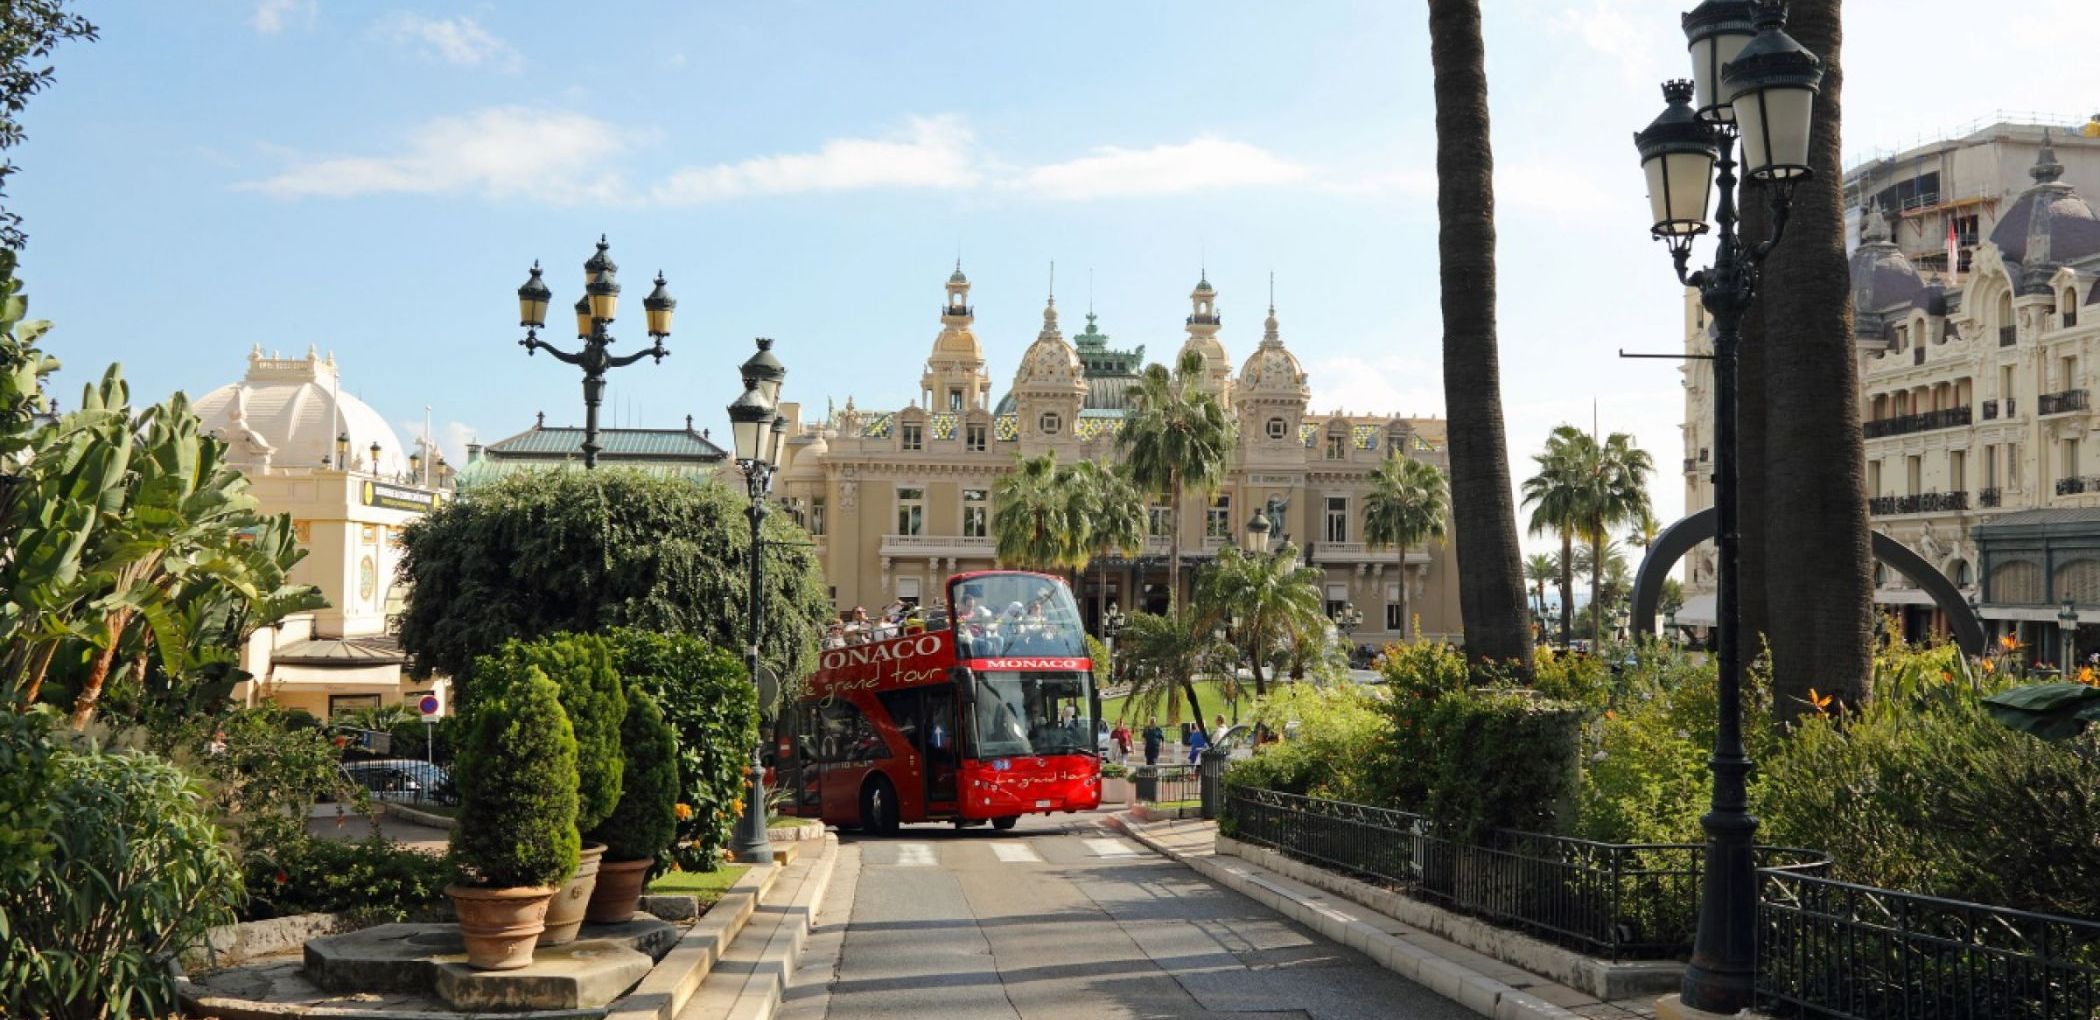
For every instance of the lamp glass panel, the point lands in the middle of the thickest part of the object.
(1680, 185)
(659, 321)
(1775, 124)
(603, 305)
(770, 389)
(583, 318)
(532, 311)
(1709, 55)
(747, 435)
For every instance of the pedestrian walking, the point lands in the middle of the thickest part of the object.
(1218, 732)
(1154, 739)
(1120, 739)
(1197, 742)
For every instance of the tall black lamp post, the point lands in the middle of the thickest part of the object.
(758, 431)
(594, 312)
(1111, 627)
(1755, 83)
(2067, 621)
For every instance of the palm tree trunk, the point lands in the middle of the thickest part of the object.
(1407, 626)
(98, 674)
(1596, 586)
(1567, 588)
(1188, 690)
(1261, 690)
(1818, 582)
(1484, 519)
(1174, 543)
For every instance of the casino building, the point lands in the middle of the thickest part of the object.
(350, 485)
(899, 499)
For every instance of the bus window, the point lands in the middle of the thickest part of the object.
(1031, 714)
(847, 735)
(1003, 615)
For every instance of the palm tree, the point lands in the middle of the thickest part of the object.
(1541, 569)
(1643, 529)
(1267, 596)
(1177, 437)
(1555, 498)
(1033, 520)
(1116, 519)
(1409, 502)
(1817, 582)
(1163, 654)
(1618, 492)
(1490, 580)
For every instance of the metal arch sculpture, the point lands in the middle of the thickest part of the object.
(1679, 538)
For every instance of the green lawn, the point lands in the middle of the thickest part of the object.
(707, 886)
(1209, 692)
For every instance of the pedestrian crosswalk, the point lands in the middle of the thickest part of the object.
(1016, 853)
(1112, 848)
(915, 855)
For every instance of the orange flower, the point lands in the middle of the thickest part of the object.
(684, 812)
(1946, 677)
(2085, 675)
(1610, 714)
(1990, 666)
(1820, 702)
(2008, 642)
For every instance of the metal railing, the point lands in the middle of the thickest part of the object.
(1988, 498)
(1918, 503)
(1990, 410)
(1832, 949)
(1944, 418)
(2008, 335)
(1165, 784)
(2060, 402)
(2077, 484)
(1609, 899)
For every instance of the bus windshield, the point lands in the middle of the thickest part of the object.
(1014, 615)
(1031, 714)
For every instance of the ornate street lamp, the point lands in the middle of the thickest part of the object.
(342, 451)
(1112, 626)
(594, 312)
(1766, 87)
(1670, 635)
(757, 431)
(1258, 533)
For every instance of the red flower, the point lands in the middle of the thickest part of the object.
(282, 878)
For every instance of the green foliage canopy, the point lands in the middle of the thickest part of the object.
(584, 551)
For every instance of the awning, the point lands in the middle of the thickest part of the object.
(1697, 611)
(1903, 597)
(378, 676)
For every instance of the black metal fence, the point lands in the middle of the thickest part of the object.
(1165, 784)
(1830, 949)
(398, 768)
(1608, 899)
(1827, 950)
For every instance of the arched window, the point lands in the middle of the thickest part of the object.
(1962, 576)
(2069, 307)
(2005, 316)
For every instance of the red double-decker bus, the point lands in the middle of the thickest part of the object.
(986, 716)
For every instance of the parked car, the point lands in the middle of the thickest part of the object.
(404, 781)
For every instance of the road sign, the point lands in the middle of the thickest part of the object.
(429, 705)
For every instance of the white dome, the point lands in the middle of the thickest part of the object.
(287, 412)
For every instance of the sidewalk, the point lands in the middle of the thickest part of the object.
(1484, 984)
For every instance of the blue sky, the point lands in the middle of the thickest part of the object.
(374, 177)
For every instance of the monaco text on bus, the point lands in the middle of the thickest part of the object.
(986, 714)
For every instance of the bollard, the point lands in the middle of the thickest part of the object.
(1210, 780)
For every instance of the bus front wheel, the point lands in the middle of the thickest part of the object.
(1005, 823)
(878, 808)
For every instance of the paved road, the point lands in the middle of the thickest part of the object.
(1063, 917)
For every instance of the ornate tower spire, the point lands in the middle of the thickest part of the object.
(2046, 168)
(955, 377)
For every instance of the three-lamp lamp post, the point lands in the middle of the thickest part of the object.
(1754, 83)
(759, 432)
(594, 314)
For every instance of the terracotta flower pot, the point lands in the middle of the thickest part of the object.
(499, 926)
(565, 914)
(619, 887)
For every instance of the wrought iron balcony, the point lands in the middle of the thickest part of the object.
(2070, 317)
(958, 309)
(2077, 484)
(1944, 418)
(1204, 320)
(2008, 335)
(1987, 498)
(1919, 503)
(1990, 410)
(2061, 402)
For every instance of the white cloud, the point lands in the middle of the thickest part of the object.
(931, 152)
(450, 438)
(500, 152)
(459, 40)
(274, 16)
(1204, 163)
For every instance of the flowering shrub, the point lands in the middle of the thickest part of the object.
(707, 698)
(1328, 726)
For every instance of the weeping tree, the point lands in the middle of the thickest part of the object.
(587, 551)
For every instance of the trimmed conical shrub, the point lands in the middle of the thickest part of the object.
(646, 819)
(596, 702)
(517, 780)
